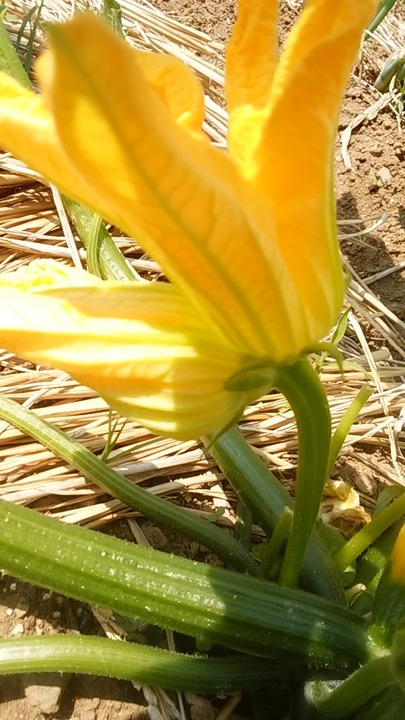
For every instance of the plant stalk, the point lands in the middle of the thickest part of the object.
(215, 605)
(260, 490)
(369, 534)
(130, 661)
(301, 386)
(95, 470)
(354, 692)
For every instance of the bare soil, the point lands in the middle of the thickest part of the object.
(375, 185)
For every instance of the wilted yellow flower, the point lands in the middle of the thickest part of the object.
(247, 238)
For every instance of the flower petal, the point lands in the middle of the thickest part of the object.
(251, 60)
(294, 159)
(307, 91)
(27, 130)
(212, 233)
(177, 87)
(173, 191)
(41, 275)
(252, 54)
(179, 196)
(141, 347)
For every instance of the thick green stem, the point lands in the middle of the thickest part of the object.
(260, 490)
(354, 692)
(215, 605)
(128, 661)
(220, 542)
(301, 386)
(105, 258)
(369, 534)
(388, 705)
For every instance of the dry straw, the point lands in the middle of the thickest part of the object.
(31, 227)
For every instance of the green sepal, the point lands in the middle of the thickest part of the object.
(329, 348)
(334, 540)
(251, 377)
(341, 326)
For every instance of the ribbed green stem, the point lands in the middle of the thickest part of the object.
(301, 386)
(128, 661)
(354, 692)
(260, 490)
(367, 535)
(220, 542)
(212, 604)
(104, 255)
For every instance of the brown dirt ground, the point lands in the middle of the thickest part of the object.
(374, 186)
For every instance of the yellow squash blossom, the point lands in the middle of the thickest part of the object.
(247, 238)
